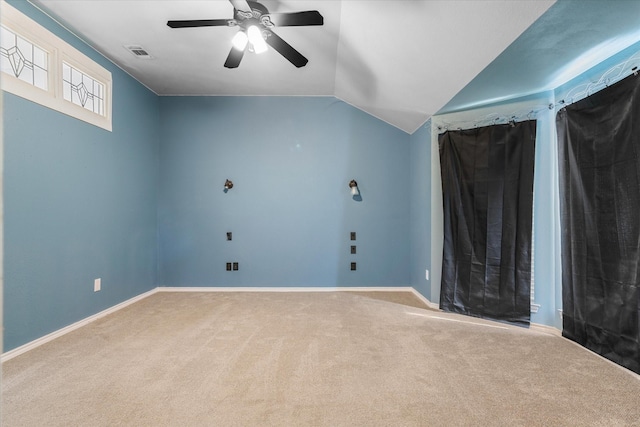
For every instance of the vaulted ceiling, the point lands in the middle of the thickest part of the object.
(401, 61)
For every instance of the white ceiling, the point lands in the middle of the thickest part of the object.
(399, 60)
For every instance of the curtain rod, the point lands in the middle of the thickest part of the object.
(495, 119)
(611, 76)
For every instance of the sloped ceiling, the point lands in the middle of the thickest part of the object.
(400, 61)
(570, 38)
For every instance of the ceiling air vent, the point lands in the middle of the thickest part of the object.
(138, 52)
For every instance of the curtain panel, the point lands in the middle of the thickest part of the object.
(599, 145)
(487, 186)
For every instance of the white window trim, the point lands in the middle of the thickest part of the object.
(58, 51)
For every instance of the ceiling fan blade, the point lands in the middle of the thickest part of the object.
(201, 23)
(241, 5)
(286, 50)
(234, 58)
(295, 19)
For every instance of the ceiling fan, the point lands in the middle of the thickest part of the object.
(256, 30)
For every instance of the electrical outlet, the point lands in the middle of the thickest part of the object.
(353, 235)
(353, 266)
(353, 249)
(229, 236)
(426, 274)
(235, 266)
(97, 285)
(228, 266)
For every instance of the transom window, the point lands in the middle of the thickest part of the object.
(23, 59)
(39, 66)
(82, 90)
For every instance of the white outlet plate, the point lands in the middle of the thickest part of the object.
(97, 284)
(426, 274)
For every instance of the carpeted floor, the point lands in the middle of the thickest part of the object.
(310, 359)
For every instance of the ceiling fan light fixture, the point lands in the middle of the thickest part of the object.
(260, 47)
(256, 39)
(256, 30)
(240, 40)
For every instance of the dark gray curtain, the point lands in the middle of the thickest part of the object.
(599, 145)
(487, 186)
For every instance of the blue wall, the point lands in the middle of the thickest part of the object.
(420, 219)
(80, 203)
(143, 206)
(290, 210)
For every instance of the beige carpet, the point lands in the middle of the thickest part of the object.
(316, 359)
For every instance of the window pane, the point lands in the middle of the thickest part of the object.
(26, 49)
(7, 38)
(76, 77)
(26, 75)
(40, 78)
(66, 90)
(81, 89)
(17, 56)
(5, 66)
(39, 58)
(66, 72)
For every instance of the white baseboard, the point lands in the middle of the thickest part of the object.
(55, 334)
(425, 300)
